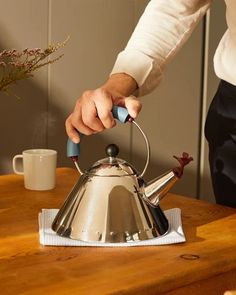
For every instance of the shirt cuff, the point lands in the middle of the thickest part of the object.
(140, 67)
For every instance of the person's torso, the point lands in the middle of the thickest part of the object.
(225, 56)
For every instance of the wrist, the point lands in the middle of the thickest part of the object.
(121, 83)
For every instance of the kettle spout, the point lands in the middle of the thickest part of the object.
(157, 188)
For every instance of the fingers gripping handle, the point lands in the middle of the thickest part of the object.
(119, 113)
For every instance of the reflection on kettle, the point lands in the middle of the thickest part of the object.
(112, 203)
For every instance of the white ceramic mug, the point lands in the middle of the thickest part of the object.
(39, 168)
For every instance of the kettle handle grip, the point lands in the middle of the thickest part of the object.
(119, 113)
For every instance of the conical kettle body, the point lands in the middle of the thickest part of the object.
(109, 208)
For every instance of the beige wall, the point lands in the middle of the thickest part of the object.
(172, 115)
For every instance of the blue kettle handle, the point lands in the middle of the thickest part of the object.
(119, 113)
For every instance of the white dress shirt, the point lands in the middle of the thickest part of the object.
(162, 30)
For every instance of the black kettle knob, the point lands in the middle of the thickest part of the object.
(112, 150)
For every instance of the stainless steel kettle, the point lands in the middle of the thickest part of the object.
(111, 202)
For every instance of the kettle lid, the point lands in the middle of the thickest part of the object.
(111, 165)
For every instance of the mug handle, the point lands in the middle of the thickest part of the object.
(14, 161)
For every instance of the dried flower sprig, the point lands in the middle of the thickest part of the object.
(18, 65)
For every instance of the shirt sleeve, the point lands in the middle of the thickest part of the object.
(160, 33)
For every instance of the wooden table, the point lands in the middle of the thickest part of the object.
(205, 264)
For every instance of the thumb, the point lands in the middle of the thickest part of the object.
(133, 105)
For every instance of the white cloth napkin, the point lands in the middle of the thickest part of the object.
(48, 237)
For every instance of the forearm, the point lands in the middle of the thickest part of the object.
(121, 83)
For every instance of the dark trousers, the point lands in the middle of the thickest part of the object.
(220, 132)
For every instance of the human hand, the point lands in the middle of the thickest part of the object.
(92, 112)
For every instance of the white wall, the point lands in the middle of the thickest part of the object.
(172, 115)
